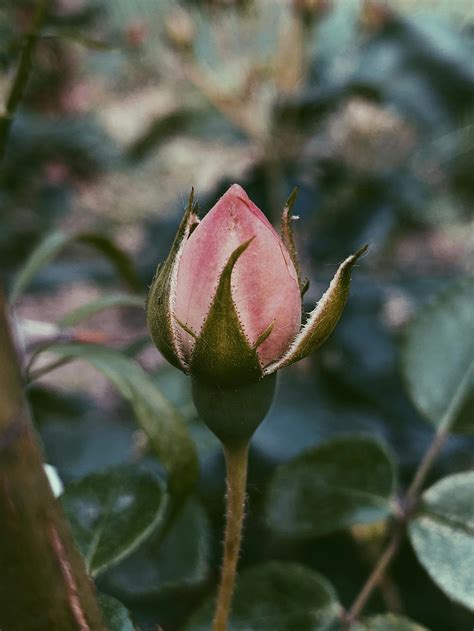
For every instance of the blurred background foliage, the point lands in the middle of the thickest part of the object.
(367, 107)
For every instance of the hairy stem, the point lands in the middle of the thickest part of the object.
(236, 463)
(44, 584)
(411, 498)
(22, 74)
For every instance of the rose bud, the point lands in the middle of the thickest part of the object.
(225, 306)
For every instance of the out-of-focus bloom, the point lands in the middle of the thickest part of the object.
(225, 306)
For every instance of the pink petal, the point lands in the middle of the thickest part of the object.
(264, 281)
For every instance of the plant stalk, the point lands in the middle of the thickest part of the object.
(236, 465)
(22, 74)
(410, 499)
(43, 582)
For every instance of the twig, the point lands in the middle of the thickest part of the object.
(376, 576)
(410, 499)
(22, 74)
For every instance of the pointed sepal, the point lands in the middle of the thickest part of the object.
(222, 354)
(288, 238)
(160, 302)
(323, 318)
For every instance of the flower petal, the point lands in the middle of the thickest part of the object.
(264, 281)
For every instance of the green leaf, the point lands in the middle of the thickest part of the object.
(348, 480)
(166, 564)
(159, 420)
(160, 131)
(53, 245)
(99, 304)
(116, 616)
(115, 255)
(276, 596)
(438, 355)
(40, 257)
(112, 512)
(442, 535)
(388, 622)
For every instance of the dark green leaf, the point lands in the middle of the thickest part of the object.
(159, 420)
(179, 560)
(112, 512)
(439, 355)
(40, 257)
(116, 616)
(443, 536)
(104, 302)
(159, 132)
(119, 259)
(276, 596)
(349, 480)
(55, 242)
(388, 622)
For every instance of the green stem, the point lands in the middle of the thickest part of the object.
(236, 463)
(410, 499)
(22, 74)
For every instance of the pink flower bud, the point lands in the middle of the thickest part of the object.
(225, 306)
(264, 281)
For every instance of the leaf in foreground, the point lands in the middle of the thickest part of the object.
(112, 512)
(116, 616)
(348, 480)
(175, 562)
(442, 535)
(159, 420)
(388, 622)
(276, 596)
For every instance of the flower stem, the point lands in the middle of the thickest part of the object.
(236, 464)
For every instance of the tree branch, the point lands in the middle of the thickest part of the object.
(43, 583)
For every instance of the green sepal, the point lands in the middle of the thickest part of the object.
(288, 239)
(222, 354)
(322, 320)
(159, 307)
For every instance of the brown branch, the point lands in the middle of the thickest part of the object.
(376, 576)
(43, 582)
